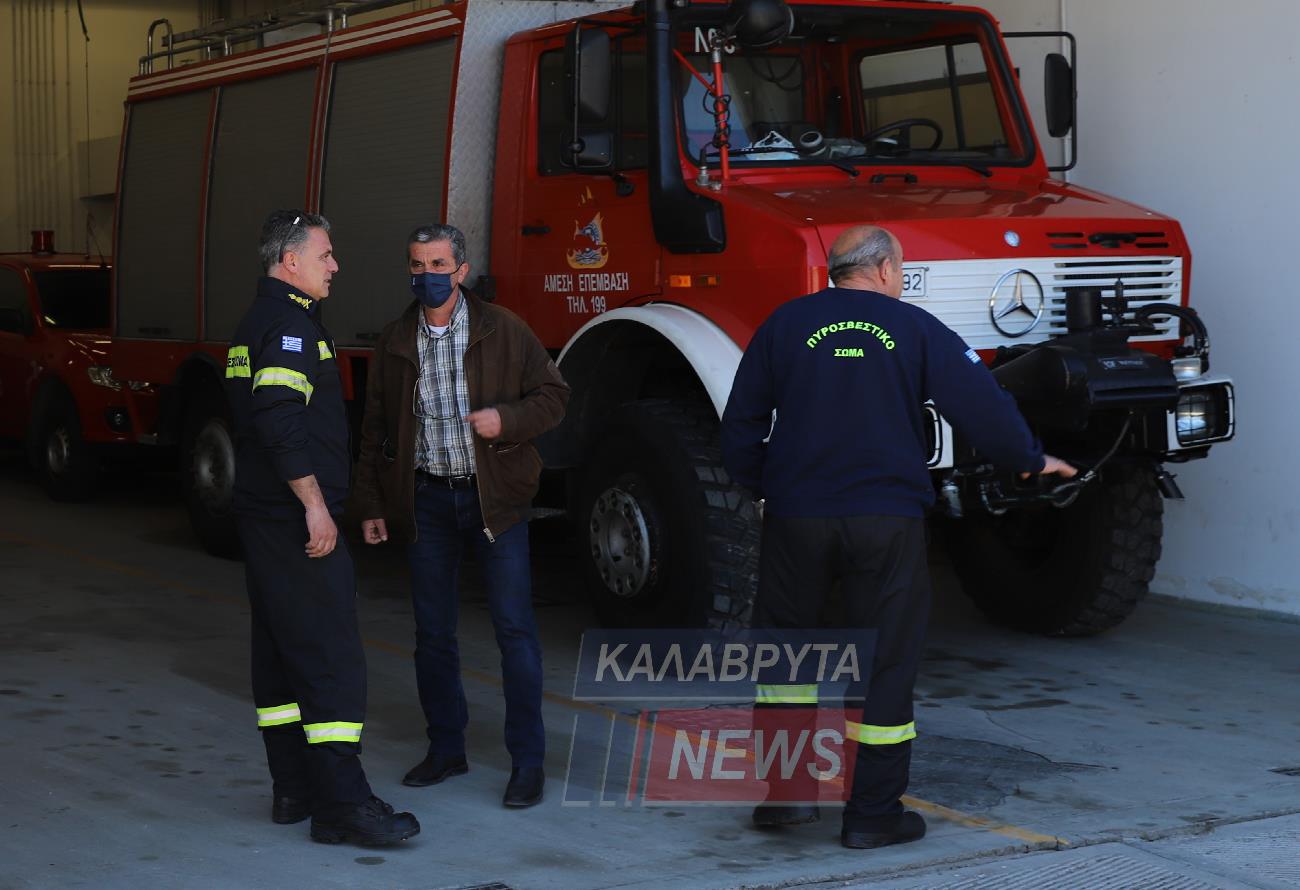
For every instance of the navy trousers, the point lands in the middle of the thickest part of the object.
(448, 521)
(309, 670)
(880, 564)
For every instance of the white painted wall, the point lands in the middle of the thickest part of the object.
(1189, 107)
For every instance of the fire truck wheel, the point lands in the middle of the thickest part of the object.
(664, 536)
(1072, 572)
(208, 471)
(68, 465)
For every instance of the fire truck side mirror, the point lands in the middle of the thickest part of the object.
(1059, 95)
(588, 71)
(758, 24)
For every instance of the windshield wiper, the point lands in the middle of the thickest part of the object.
(981, 170)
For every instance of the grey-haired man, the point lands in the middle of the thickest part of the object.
(457, 391)
(292, 468)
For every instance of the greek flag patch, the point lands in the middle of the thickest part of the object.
(973, 356)
(291, 344)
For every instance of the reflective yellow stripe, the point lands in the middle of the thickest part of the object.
(332, 732)
(324, 350)
(295, 380)
(278, 715)
(774, 694)
(237, 362)
(867, 734)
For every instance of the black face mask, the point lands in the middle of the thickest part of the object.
(433, 289)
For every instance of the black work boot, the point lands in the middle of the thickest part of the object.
(525, 787)
(771, 815)
(370, 824)
(866, 834)
(435, 768)
(288, 810)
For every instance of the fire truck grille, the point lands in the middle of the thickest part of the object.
(1144, 281)
(958, 292)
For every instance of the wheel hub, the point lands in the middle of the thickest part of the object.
(214, 467)
(58, 451)
(620, 542)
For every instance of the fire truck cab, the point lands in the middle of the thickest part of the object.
(643, 186)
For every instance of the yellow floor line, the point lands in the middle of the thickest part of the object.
(932, 809)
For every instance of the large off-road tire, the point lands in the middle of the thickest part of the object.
(68, 465)
(1071, 572)
(208, 473)
(665, 538)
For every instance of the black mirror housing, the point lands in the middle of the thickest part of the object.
(588, 72)
(757, 24)
(1058, 95)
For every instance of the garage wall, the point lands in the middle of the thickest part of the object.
(1187, 106)
(43, 111)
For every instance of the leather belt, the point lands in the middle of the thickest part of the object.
(449, 481)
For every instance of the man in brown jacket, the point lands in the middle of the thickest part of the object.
(457, 390)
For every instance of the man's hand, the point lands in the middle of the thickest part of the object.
(486, 422)
(375, 531)
(322, 531)
(1054, 465)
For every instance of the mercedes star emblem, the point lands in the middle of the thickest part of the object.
(1016, 303)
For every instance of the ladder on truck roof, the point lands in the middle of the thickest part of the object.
(220, 38)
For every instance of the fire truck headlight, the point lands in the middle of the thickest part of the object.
(1203, 414)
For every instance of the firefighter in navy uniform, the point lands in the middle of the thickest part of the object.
(846, 489)
(292, 471)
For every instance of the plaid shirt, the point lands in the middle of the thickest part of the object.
(445, 443)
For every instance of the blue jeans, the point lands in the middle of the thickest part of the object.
(446, 520)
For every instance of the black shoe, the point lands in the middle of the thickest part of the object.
(525, 786)
(435, 768)
(288, 810)
(778, 815)
(370, 824)
(900, 829)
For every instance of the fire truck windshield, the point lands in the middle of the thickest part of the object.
(862, 86)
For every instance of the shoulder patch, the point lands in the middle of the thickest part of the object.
(291, 344)
(973, 356)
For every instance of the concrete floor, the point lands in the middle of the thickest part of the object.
(129, 757)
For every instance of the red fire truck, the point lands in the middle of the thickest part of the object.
(644, 186)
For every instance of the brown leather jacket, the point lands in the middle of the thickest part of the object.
(506, 368)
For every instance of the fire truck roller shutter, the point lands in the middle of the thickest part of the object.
(158, 217)
(259, 163)
(385, 162)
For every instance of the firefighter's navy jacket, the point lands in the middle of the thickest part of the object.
(287, 400)
(847, 372)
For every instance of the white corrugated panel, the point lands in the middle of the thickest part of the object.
(958, 291)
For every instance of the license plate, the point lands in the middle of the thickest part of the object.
(914, 281)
